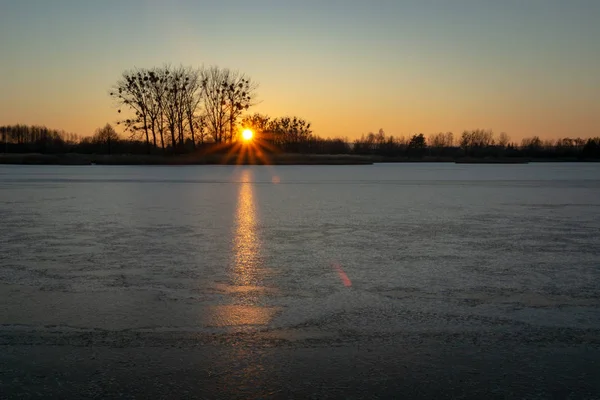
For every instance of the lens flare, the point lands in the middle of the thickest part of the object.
(343, 276)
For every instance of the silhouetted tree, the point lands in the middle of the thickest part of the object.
(417, 142)
(227, 95)
(532, 146)
(174, 108)
(259, 123)
(192, 98)
(239, 96)
(503, 139)
(24, 138)
(106, 136)
(441, 140)
(290, 132)
(477, 142)
(4, 131)
(163, 101)
(157, 83)
(592, 148)
(132, 92)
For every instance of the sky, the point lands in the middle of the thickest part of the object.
(528, 67)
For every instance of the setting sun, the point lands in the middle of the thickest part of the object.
(247, 135)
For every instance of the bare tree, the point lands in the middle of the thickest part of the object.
(131, 91)
(449, 139)
(105, 136)
(163, 100)
(477, 138)
(199, 129)
(192, 98)
(441, 140)
(214, 100)
(173, 106)
(503, 139)
(158, 86)
(227, 94)
(290, 131)
(257, 122)
(239, 95)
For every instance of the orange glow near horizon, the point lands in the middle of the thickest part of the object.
(254, 150)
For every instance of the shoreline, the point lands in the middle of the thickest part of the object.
(273, 159)
(187, 159)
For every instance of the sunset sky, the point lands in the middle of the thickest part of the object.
(526, 67)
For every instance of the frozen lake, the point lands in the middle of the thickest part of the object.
(299, 254)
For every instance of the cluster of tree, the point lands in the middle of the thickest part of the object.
(291, 134)
(35, 139)
(390, 146)
(40, 139)
(474, 143)
(181, 107)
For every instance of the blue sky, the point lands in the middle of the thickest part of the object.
(523, 67)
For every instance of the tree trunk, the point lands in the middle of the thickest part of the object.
(147, 134)
(154, 132)
(181, 132)
(192, 132)
(161, 131)
(173, 141)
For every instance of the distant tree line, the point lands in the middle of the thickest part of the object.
(35, 139)
(294, 135)
(476, 143)
(40, 139)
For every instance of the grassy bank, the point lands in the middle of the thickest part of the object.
(188, 159)
(272, 159)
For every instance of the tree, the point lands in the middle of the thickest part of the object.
(503, 139)
(441, 140)
(477, 141)
(157, 83)
(289, 132)
(198, 129)
(227, 95)
(592, 148)
(132, 91)
(214, 101)
(239, 96)
(532, 144)
(163, 100)
(173, 109)
(34, 138)
(259, 124)
(106, 136)
(192, 98)
(417, 142)
(477, 138)
(4, 131)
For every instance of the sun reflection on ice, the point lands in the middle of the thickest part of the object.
(246, 291)
(246, 246)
